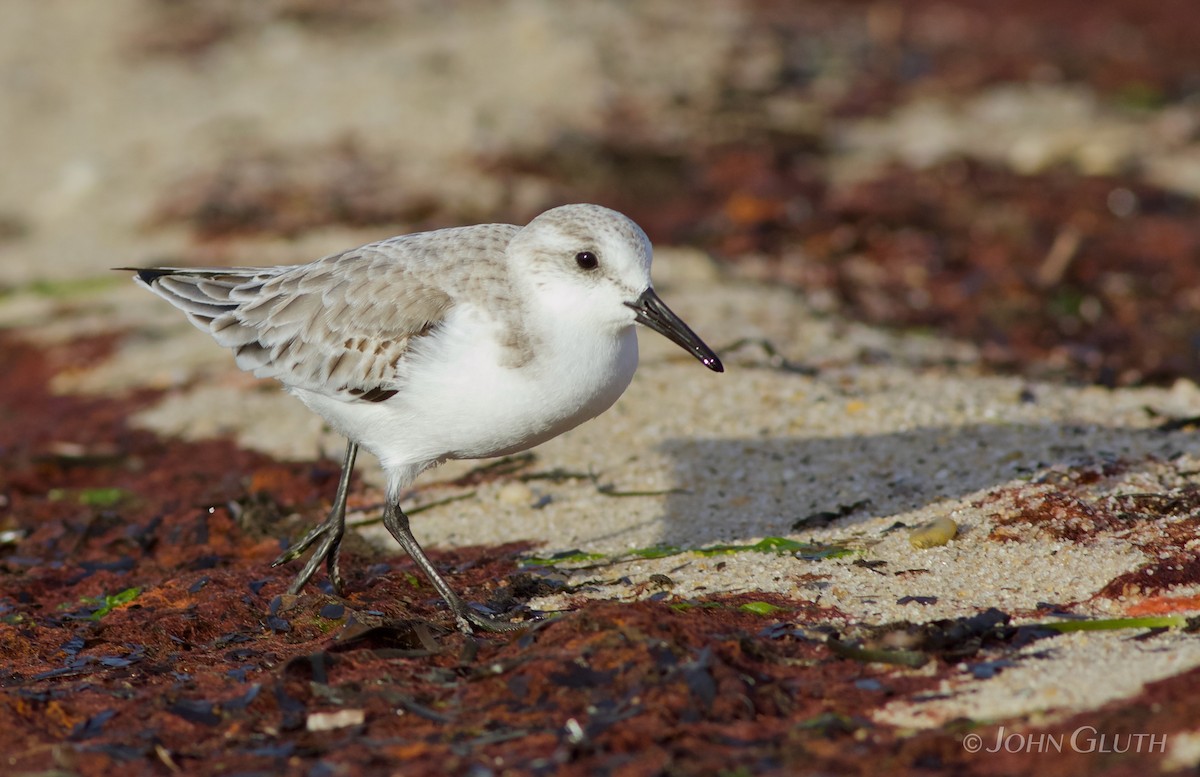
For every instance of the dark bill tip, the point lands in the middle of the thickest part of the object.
(654, 313)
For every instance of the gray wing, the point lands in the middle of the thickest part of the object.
(337, 326)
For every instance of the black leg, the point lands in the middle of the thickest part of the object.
(397, 523)
(329, 532)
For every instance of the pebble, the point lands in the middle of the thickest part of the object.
(935, 533)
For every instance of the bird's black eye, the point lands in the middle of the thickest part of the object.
(587, 260)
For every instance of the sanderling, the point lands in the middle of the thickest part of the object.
(461, 343)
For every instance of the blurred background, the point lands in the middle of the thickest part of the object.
(1024, 179)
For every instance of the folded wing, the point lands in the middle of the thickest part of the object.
(338, 326)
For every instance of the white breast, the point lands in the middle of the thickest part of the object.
(459, 400)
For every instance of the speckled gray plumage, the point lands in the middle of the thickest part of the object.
(588, 225)
(341, 324)
(585, 228)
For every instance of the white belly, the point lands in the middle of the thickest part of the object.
(459, 401)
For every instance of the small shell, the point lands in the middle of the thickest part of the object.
(935, 533)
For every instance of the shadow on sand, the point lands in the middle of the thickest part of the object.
(733, 489)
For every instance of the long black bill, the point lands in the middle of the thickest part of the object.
(654, 313)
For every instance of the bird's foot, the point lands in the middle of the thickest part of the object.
(327, 536)
(468, 620)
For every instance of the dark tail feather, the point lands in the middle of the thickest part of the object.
(148, 275)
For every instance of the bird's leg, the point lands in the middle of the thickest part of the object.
(397, 523)
(329, 533)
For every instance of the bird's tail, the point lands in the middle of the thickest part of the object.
(203, 293)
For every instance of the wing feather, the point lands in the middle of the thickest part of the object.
(339, 326)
